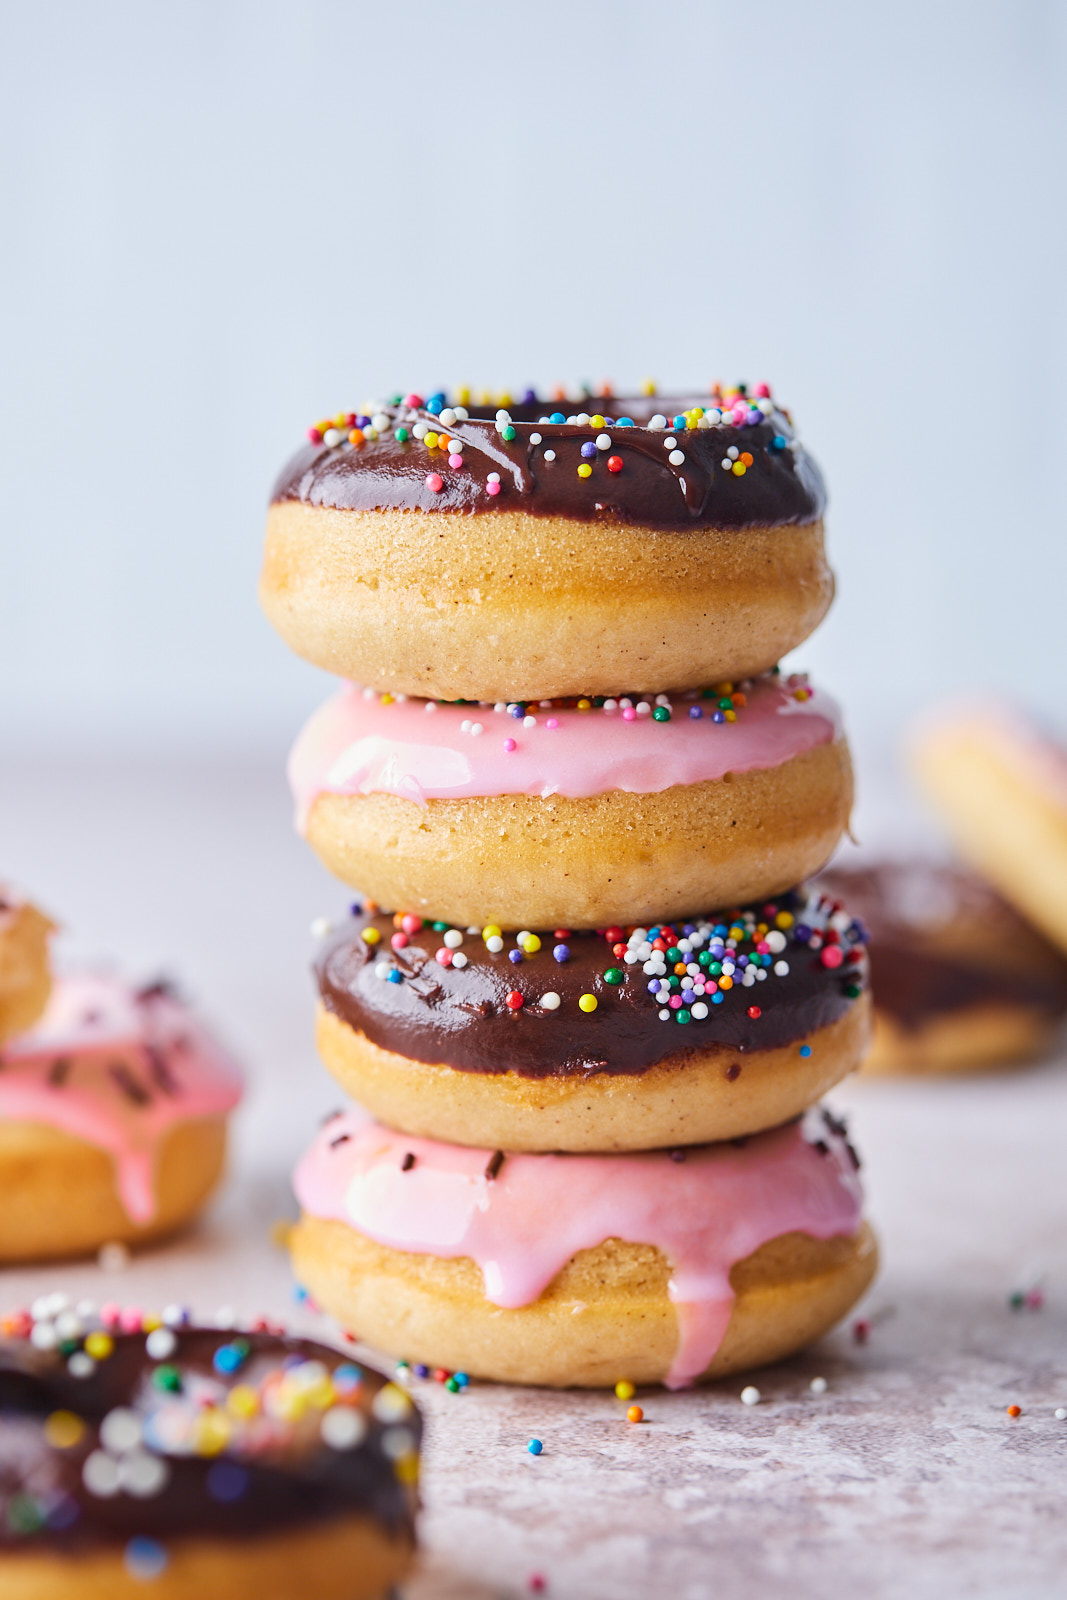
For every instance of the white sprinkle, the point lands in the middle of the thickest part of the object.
(841, 921)
(448, 416)
(535, 438)
(452, 939)
(818, 1385)
(461, 413)
(550, 1001)
(665, 1015)
(81, 1365)
(699, 1011)
(670, 444)
(321, 927)
(369, 694)
(676, 458)
(749, 979)
(476, 729)
(382, 970)
(42, 1309)
(550, 455)
(143, 1475)
(657, 423)
(625, 703)
(380, 421)
(421, 429)
(431, 705)
(343, 1427)
(459, 959)
(397, 1442)
(500, 706)
(733, 452)
(750, 1396)
(370, 434)
(44, 1336)
(546, 705)
(503, 416)
(766, 406)
(455, 448)
(175, 1316)
(465, 725)
(529, 722)
(665, 700)
(1060, 1413)
(160, 1344)
(775, 941)
(100, 1475)
(583, 419)
(761, 974)
(603, 441)
(781, 969)
(611, 705)
(120, 1430)
(332, 437)
(712, 416)
(493, 477)
(69, 1325)
(391, 1405)
(643, 708)
(494, 944)
(473, 931)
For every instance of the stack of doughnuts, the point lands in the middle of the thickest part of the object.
(583, 997)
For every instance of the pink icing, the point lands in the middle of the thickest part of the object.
(705, 1213)
(120, 1071)
(357, 743)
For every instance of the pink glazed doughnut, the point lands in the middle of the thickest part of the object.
(658, 1267)
(576, 814)
(112, 1120)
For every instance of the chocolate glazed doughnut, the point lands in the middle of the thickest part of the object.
(436, 550)
(219, 1465)
(960, 980)
(623, 1040)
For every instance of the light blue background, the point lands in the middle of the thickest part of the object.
(223, 220)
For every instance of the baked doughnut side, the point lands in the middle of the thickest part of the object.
(608, 1315)
(25, 979)
(453, 607)
(693, 1097)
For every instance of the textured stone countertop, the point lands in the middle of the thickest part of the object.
(905, 1478)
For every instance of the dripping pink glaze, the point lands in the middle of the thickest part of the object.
(705, 1213)
(355, 744)
(99, 1024)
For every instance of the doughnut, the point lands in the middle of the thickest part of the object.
(581, 1270)
(222, 1466)
(561, 1041)
(1001, 788)
(466, 552)
(112, 1120)
(25, 979)
(959, 980)
(578, 814)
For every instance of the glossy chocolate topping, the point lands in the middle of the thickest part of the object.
(745, 469)
(225, 1435)
(498, 1014)
(942, 940)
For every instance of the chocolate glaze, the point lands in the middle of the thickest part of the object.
(782, 486)
(295, 1479)
(942, 940)
(461, 1018)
